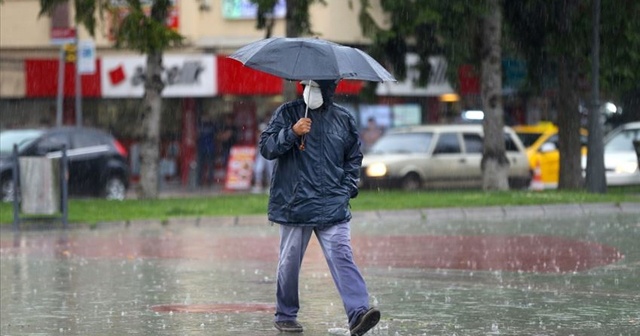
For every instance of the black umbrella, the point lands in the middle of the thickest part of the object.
(310, 58)
(303, 58)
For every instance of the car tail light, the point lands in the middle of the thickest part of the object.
(120, 148)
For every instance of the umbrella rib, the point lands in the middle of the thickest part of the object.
(299, 52)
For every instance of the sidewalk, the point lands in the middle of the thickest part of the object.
(542, 270)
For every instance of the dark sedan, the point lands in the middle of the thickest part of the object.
(97, 161)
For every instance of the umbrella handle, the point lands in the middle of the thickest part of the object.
(306, 112)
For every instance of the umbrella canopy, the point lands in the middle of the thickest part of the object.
(310, 58)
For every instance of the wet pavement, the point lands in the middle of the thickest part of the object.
(542, 270)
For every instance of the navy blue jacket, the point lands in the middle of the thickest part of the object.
(312, 187)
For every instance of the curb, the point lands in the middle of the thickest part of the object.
(427, 215)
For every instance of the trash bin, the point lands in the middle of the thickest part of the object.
(40, 185)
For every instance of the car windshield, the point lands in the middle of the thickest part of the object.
(623, 141)
(20, 137)
(528, 139)
(395, 143)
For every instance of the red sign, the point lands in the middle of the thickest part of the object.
(41, 79)
(63, 33)
(236, 79)
(469, 80)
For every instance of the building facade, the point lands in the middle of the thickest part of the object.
(38, 89)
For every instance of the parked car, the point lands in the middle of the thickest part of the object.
(438, 156)
(97, 161)
(541, 142)
(620, 158)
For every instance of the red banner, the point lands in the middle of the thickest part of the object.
(469, 80)
(41, 78)
(346, 87)
(236, 79)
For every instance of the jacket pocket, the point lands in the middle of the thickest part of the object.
(294, 195)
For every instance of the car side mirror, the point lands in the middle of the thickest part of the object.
(548, 147)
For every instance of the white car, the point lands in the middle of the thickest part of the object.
(620, 158)
(437, 156)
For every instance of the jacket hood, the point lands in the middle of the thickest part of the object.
(327, 88)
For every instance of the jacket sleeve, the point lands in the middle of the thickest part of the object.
(278, 137)
(353, 159)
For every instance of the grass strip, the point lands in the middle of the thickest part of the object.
(91, 211)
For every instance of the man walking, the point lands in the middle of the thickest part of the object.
(317, 150)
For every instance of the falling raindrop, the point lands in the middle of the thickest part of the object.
(187, 299)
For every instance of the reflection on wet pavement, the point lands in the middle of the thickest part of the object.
(452, 277)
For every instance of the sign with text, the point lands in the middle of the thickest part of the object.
(64, 35)
(183, 76)
(245, 9)
(240, 168)
(86, 57)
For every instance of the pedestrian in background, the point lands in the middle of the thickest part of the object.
(318, 159)
(370, 134)
(262, 168)
(227, 135)
(206, 152)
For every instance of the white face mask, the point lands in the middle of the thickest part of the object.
(312, 96)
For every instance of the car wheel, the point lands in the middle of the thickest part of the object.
(115, 188)
(411, 182)
(7, 189)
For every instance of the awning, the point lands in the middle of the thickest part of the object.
(437, 86)
(408, 88)
(114, 77)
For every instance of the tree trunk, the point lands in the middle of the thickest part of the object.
(595, 181)
(568, 126)
(292, 30)
(495, 165)
(151, 121)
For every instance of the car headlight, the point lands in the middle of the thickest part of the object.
(376, 170)
(627, 168)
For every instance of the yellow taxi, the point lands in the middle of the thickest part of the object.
(541, 142)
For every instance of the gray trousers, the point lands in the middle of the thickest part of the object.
(336, 246)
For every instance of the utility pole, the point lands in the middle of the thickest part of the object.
(60, 97)
(78, 83)
(595, 180)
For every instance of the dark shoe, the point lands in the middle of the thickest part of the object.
(288, 326)
(365, 322)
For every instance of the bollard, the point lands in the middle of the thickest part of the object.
(64, 182)
(16, 181)
(636, 146)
